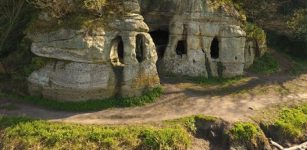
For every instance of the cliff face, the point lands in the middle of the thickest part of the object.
(116, 53)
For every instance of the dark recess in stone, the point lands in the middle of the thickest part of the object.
(181, 48)
(140, 45)
(160, 39)
(215, 49)
(120, 50)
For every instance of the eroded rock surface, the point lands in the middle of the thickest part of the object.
(118, 56)
(205, 37)
(118, 59)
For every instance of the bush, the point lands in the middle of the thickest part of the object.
(298, 23)
(254, 32)
(244, 131)
(55, 8)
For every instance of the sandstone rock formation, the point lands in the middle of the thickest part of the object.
(205, 37)
(118, 59)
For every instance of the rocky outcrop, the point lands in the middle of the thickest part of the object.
(205, 37)
(117, 56)
(118, 59)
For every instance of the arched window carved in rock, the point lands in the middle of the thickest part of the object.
(215, 48)
(117, 51)
(181, 48)
(140, 48)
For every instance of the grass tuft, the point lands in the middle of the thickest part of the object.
(289, 125)
(244, 131)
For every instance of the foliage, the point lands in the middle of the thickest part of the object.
(14, 16)
(96, 6)
(265, 65)
(298, 23)
(36, 64)
(292, 122)
(289, 124)
(244, 131)
(256, 33)
(25, 133)
(92, 105)
(55, 8)
(299, 67)
(166, 138)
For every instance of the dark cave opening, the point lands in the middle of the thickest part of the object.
(140, 45)
(215, 48)
(120, 51)
(117, 51)
(181, 48)
(160, 38)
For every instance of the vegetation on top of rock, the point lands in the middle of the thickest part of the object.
(254, 32)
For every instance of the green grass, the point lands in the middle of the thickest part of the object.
(94, 105)
(8, 107)
(299, 67)
(189, 122)
(244, 131)
(265, 65)
(215, 80)
(290, 124)
(23, 133)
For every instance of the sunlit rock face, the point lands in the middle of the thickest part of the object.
(119, 56)
(117, 59)
(204, 37)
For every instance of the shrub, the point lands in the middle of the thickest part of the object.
(298, 23)
(55, 8)
(244, 131)
(96, 6)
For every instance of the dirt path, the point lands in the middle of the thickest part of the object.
(233, 102)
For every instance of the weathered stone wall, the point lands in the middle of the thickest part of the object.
(197, 23)
(118, 59)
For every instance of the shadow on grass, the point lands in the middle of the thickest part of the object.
(92, 105)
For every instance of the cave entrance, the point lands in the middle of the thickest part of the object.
(160, 39)
(215, 48)
(117, 51)
(181, 48)
(140, 46)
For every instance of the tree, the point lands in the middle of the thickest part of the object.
(298, 24)
(10, 12)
